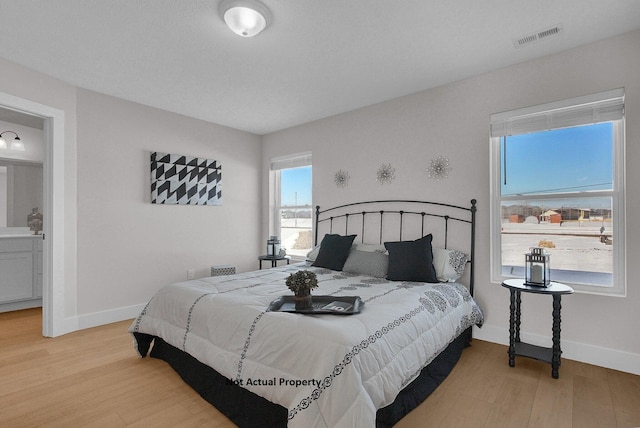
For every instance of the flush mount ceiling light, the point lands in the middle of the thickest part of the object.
(16, 144)
(246, 18)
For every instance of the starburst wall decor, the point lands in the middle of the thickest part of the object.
(386, 173)
(439, 168)
(342, 179)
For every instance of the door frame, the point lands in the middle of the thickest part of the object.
(53, 256)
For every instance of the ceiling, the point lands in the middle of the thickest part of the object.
(318, 58)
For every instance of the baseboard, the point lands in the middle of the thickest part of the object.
(107, 317)
(24, 304)
(585, 353)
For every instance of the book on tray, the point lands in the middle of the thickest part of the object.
(338, 306)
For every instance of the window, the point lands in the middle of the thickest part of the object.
(292, 218)
(557, 182)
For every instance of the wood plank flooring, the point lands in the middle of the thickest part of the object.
(93, 378)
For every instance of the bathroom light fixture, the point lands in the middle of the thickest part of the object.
(246, 18)
(16, 144)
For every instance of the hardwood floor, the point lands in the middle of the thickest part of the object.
(93, 378)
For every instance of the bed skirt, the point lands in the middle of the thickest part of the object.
(234, 401)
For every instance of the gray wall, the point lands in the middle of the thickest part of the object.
(127, 247)
(453, 121)
(118, 248)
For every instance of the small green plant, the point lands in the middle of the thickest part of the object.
(302, 282)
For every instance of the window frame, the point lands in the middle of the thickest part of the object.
(278, 164)
(619, 287)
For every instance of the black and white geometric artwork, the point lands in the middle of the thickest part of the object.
(185, 180)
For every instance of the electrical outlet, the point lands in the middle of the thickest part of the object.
(191, 273)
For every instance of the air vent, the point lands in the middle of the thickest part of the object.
(538, 35)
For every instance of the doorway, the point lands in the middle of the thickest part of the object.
(53, 260)
(21, 202)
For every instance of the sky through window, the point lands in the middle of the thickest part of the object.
(296, 186)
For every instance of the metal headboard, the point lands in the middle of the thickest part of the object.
(342, 215)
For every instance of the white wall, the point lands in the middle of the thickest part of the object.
(453, 121)
(127, 247)
(118, 248)
(38, 88)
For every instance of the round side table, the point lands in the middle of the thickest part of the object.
(516, 347)
(273, 259)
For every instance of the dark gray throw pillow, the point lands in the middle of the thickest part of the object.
(372, 263)
(334, 250)
(411, 260)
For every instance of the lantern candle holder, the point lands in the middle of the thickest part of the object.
(537, 268)
(273, 246)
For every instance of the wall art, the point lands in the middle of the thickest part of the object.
(342, 179)
(439, 168)
(185, 180)
(386, 173)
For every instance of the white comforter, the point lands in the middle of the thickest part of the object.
(328, 370)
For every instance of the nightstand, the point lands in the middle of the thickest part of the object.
(274, 260)
(516, 347)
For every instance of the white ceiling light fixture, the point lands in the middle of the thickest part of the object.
(246, 18)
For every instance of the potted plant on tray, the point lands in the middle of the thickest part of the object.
(301, 284)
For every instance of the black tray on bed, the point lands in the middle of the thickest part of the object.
(320, 303)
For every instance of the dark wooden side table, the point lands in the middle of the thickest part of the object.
(274, 260)
(516, 347)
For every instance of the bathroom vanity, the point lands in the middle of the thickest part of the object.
(20, 269)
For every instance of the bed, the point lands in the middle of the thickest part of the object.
(264, 367)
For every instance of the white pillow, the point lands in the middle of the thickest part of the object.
(313, 254)
(449, 264)
(370, 248)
